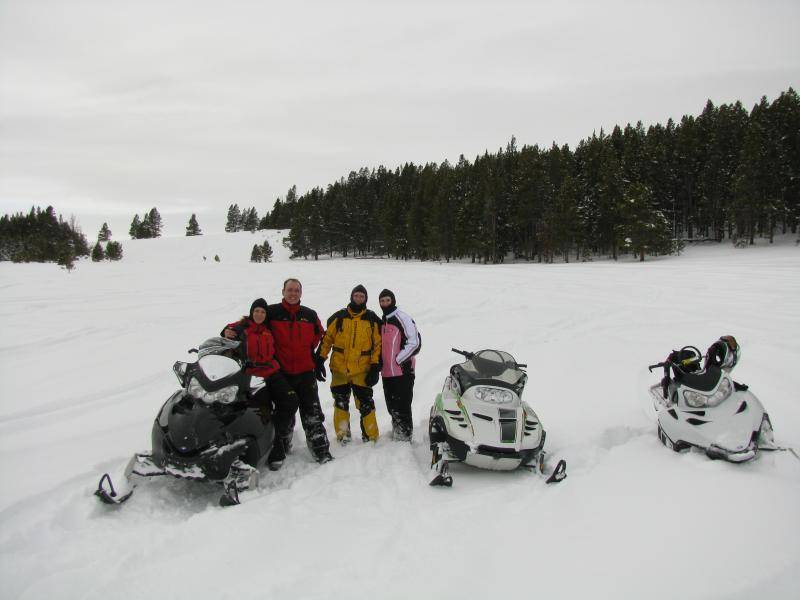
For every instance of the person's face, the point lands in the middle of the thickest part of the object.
(259, 314)
(359, 298)
(385, 301)
(292, 292)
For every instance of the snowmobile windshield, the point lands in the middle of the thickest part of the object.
(491, 367)
(217, 367)
(217, 345)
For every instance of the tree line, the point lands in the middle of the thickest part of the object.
(725, 174)
(41, 236)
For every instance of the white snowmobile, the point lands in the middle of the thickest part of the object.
(480, 419)
(699, 405)
(209, 430)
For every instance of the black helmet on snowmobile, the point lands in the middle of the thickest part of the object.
(724, 353)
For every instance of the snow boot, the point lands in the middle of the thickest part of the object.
(323, 456)
(276, 456)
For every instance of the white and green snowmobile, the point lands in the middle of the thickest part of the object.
(480, 419)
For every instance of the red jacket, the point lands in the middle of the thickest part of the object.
(297, 331)
(259, 346)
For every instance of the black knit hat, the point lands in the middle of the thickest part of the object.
(257, 303)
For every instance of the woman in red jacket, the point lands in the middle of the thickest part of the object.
(259, 348)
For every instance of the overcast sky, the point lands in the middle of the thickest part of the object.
(108, 108)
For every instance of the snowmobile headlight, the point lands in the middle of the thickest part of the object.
(195, 389)
(694, 399)
(493, 395)
(224, 396)
(722, 393)
(698, 400)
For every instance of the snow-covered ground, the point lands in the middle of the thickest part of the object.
(85, 362)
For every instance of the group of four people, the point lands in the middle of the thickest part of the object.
(287, 346)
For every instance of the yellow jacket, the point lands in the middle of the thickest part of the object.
(353, 341)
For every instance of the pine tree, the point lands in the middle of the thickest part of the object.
(216, 258)
(256, 255)
(155, 223)
(114, 251)
(97, 253)
(136, 228)
(193, 228)
(66, 256)
(250, 220)
(105, 233)
(234, 219)
(643, 228)
(266, 251)
(145, 229)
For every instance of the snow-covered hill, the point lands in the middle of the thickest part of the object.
(85, 362)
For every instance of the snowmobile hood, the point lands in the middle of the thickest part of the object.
(191, 425)
(729, 427)
(498, 430)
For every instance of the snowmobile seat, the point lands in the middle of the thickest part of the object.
(703, 381)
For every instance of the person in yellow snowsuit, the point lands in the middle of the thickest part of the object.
(353, 342)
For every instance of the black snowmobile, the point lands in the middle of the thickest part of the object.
(209, 430)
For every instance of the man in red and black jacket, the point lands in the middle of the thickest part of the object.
(297, 331)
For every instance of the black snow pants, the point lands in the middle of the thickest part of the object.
(399, 391)
(278, 394)
(311, 415)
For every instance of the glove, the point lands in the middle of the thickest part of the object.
(406, 367)
(319, 370)
(265, 412)
(372, 375)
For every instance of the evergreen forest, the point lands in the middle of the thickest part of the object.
(727, 174)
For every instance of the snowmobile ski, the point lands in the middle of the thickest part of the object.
(442, 477)
(241, 477)
(559, 473)
(109, 493)
(788, 449)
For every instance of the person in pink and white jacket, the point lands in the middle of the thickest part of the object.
(400, 344)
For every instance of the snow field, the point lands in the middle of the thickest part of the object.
(85, 363)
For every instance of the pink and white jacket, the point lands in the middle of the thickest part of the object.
(399, 340)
